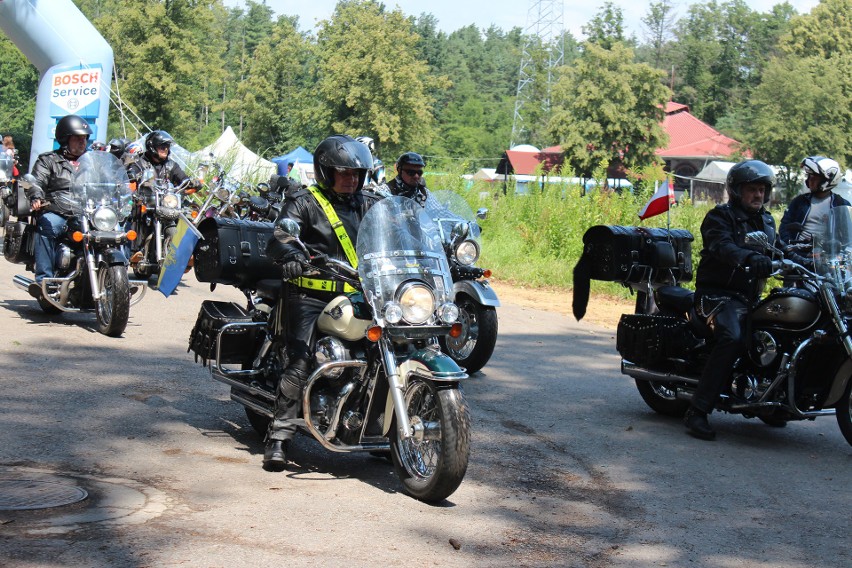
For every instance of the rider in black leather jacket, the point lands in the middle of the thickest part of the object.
(157, 151)
(341, 165)
(409, 178)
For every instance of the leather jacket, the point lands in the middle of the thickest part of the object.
(166, 171)
(54, 173)
(418, 193)
(724, 255)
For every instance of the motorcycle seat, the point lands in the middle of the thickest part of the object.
(269, 289)
(675, 298)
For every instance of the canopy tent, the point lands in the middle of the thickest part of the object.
(240, 162)
(299, 155)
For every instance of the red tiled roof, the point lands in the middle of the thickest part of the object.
(689, 137)
(525, 162)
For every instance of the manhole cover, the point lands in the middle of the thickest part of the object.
(26, 494)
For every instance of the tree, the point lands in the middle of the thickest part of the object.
(607, 108)
(606, 28)
(659, 24)
(371, 79)
(18, 88)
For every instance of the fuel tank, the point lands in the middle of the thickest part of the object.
(338, 318)
(787, 308)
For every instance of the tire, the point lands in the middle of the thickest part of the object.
(113, 309)
(474, 347)
(47, 307)
(259, 422)
(168, 235)
(844, 412)
(432, 469)
(661, 398)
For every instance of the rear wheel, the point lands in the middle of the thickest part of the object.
(661, 398)
(844, 412)
(432, 463)
(473, 348)
(113, 309)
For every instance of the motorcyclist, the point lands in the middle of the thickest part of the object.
(375, 176)
(118, 148)
(729, 279)
(807, 213)
(54, 173)
(329, 214)
(409, 178)
(157, 157)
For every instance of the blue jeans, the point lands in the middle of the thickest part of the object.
(49, 227)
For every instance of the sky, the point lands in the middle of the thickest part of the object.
(505, 14)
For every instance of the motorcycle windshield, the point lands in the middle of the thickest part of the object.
(99, 181)
(398, 243)
(6, 163)
(447, 209)
(833, 248)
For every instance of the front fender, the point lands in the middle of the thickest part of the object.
(427, 364)
(480, 291)
(112, 257)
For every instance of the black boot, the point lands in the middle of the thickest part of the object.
(698, 425)
(275, 455)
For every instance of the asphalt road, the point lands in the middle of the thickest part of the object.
(568, 466)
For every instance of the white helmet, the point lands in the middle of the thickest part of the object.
(368, 142)
(828, 169)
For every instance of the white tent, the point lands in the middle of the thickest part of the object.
(716, 172)
(240, 162)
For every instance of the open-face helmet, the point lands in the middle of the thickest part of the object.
(71, 125)
(826, 168)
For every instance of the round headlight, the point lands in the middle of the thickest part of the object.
(223, 194)
(105, 218)
(171, 200)
(467, 252)
(417, 303)
(449, 313)
(393, 312)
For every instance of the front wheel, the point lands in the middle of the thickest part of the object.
(473, 348)
(432, 463)
(661, 398)
(113, 309)
(844, 412)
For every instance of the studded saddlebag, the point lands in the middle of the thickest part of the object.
(646, 339)
(239, 343)
(19, 242)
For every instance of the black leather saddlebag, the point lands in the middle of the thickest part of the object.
(628, 254)
(239, 343)
(234, 252)
(645, 339)
(19, 242)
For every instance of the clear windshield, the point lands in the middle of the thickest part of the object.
(397, 243)
(447, 208)
(833, 248)
(6, 163)
(100, 180)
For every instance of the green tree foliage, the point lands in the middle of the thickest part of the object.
(18, 85)
(608, 108)
(658, 23)
(606, 28)
(371, 79)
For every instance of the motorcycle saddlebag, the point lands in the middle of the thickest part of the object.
(628, 254)
(238, 343)
(234, 252)
(646, 339)
(19, 242)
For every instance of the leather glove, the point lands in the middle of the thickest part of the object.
(195, 183)
(760, 265)
(294, 268)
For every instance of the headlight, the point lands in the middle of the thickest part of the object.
(467, 252)
(449, 313)
(223, 194)
(393, 312)
(105, 218)
(417, 303)
(171, 200)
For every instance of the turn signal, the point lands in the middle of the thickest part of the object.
(486, 273)
(190, 191)
(77, 237)
(375, 333)
(132, 186)
(144, 209)
(131, 235)
(456, 330)
(194, 214)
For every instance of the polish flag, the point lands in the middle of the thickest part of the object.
(660, 202)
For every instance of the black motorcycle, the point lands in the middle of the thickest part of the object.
(91, 267)
(798, 362)
(380, 382)
(476, 300)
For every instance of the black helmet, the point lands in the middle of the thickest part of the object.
(157, 139)
(71, 125)
(750, 171)
(411, 159)
(340, 151)
(117, 146)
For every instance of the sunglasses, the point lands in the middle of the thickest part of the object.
(414, 173)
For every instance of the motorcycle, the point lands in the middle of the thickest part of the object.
(380, 382)
(798, 361)
(91, 268)
(7, 187)
(221, 188)
(476, 300)
(157, 207)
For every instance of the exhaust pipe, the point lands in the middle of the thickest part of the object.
(22, 282)
(637, 372)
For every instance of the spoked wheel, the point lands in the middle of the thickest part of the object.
(844, 412)
(432, 463)
(473, 348)
(113, 309)
(661, 398)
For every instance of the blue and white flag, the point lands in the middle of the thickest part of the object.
(178, 256)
